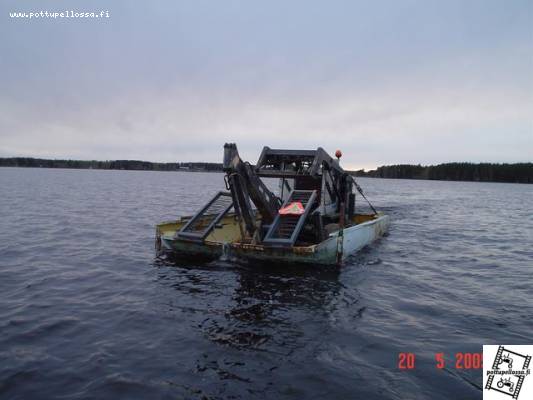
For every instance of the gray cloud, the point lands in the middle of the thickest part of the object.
(386, 82)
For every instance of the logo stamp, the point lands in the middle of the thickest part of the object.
(506, 372)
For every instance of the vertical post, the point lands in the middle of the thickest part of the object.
(340, 236)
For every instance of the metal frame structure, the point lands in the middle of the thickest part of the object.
(187, 231)
(315, 177)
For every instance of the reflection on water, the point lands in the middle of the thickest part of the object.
(263, 307)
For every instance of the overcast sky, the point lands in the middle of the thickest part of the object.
(166, 80)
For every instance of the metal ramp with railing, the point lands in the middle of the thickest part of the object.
(285, 228)
(205, 220)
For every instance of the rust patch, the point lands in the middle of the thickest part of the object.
(304, 250)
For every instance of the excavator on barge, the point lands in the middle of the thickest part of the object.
(311, 218)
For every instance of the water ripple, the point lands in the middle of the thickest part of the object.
(87, 312)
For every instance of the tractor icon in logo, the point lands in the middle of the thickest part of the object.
(506, 358)
(506, 382)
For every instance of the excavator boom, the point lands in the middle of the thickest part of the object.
(244, 184)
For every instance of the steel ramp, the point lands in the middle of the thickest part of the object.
(285, 229)
(205, 220)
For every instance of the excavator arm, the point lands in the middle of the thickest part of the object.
(245, 185)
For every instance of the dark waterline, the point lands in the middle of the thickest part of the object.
(87, 312)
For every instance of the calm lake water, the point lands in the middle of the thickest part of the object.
(87, 312)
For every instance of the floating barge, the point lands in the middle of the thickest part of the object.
(313, 219)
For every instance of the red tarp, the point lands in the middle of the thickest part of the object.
(295, 208)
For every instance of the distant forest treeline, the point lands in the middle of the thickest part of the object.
(483, 172)
(118, 164)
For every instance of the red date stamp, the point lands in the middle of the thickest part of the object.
(407, 361)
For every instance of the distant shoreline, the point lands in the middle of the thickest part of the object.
(463, 172)
(128, 165)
